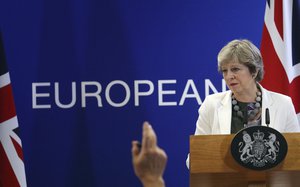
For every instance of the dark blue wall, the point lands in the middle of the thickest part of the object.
(109, 45)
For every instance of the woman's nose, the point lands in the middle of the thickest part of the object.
(229, 75)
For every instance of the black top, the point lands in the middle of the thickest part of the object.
(238, 123)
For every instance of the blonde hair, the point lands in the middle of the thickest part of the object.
(244, 52)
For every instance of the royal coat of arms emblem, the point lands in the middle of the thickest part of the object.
(259, 147)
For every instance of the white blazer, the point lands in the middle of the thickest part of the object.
(215, 113)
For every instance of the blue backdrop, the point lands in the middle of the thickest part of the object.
(87, 73)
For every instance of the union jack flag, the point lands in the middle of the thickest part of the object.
(280, 48)
(12, 171)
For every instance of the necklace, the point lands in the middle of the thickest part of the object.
(253, 110)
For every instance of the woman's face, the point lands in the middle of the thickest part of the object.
(238, 78)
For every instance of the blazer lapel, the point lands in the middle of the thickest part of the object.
(224, 114)
(267, 102)
(225, 110)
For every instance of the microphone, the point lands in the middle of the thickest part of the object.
(267, 117)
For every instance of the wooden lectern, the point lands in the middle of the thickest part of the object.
(211, 164)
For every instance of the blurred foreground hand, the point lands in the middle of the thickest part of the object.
(149, 161)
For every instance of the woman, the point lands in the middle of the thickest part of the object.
(245, 103)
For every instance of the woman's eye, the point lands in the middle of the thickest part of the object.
(235, 69)
(224, 70)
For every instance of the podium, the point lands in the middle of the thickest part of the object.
(211, 164)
